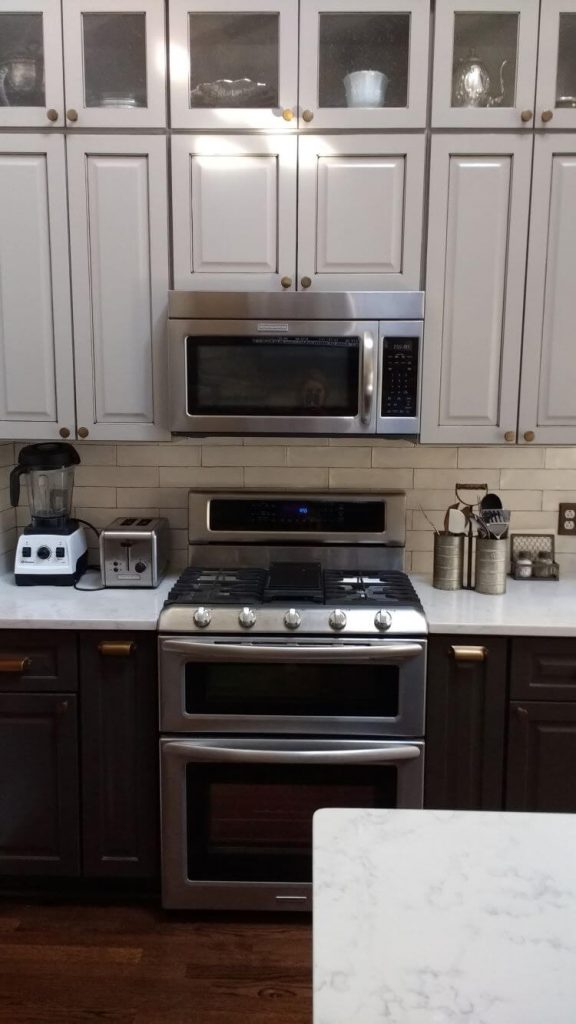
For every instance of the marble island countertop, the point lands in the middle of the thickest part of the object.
(444, 917)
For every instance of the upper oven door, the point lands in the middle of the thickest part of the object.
(273, 377)
(399, 377)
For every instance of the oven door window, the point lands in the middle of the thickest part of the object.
(255, 823)
(276, 689)
(272, 376)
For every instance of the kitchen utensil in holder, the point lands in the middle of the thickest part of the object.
(448, 561)
(480, 490)
(491, 565)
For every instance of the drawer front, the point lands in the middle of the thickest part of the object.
(543, 669)
(39, 661)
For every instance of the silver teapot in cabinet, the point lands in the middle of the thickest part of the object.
(471, 86)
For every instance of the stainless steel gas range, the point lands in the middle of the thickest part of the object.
(292, 677)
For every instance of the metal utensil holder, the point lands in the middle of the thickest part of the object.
(491, 565)
(448, 561)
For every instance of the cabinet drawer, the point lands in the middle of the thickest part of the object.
(41, 661)
(543, 669)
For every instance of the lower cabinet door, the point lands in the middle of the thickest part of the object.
(541, 757)
(39, 807)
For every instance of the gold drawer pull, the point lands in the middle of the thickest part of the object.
(467, 653)
(14, 664)
(117, 648)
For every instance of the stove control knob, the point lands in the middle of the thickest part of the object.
(247, 618)
(382, 621)
(337, 619)
(202, 617)
(292, 619)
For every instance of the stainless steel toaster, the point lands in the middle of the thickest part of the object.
(134, 551)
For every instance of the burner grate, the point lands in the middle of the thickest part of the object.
(218, 586)
(386, 588)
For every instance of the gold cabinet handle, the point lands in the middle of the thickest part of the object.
(288, 114)
(529, 436)
(306, 282)
(510, 437)
(468, 653)
(547, 115)
(14, 664)
(307, 116)
(64, 432)
(72, 114)
(286, 282)
(52, 114)
(116, 648)
(83, 431)
(527, 115)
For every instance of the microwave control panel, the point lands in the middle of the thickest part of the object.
(400, 376)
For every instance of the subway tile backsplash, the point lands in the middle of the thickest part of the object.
(120, 479)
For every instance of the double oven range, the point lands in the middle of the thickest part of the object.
(292, 677)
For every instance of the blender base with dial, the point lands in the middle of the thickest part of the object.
(52, 559)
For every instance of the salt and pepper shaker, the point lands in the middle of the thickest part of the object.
(523, 566)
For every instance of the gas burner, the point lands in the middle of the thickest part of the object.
(389, 588)
(218, 586)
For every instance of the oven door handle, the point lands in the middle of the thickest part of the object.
(234, 755)
(368, 377)
(328, 654)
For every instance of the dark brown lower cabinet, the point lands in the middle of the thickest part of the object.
(541, 774)
(465, 722)
(39, 826)
(119, 728)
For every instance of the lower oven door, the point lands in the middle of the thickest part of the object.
(237, 813)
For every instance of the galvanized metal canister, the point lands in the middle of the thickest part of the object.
(491, 565)
(448, 561)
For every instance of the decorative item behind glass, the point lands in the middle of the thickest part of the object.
(364, 60)
(566, 72)
(485, 59)
(114, 59)
(234, 60)
(21, 61)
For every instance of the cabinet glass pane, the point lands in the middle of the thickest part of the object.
(485, 58)
(364, 60)
(566, 76)
(21, 60)
(114, 59)
(234, 60)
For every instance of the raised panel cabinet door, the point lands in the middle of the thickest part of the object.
(120, 802)
(234, 64)
(541, 757)
(115, 66)
(234, 212)
(465, 721)
(36, 370)
(119, 245)
(548, 391)
(556, 91)
(31, 75)
(360, 203)
(543, 668)
(39, 805)
(485, 54)
(477, 238)
(364, 66)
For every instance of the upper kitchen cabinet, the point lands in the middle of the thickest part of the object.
(364, 66)
(31, 78)
(485, 63)
(115, 63)
(556, 94)
(234, 64)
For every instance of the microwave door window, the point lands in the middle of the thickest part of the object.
(270, 376)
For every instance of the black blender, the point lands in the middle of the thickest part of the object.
(52, 549)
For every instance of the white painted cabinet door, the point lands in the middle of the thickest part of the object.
(233, 64)
(364, 65)
(548, 390)
(485, 55)
(360, 212)
(115, 63)
(480, 194)
(31, 76)
(119, 249)
(36, 373)
(234, 212)
(556, 94)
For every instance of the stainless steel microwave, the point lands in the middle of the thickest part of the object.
(295, 363)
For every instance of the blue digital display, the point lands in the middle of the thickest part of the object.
(303, 510)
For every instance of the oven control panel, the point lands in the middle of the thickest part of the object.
(400, 376)
(306, 619)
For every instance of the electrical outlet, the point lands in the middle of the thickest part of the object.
(567, 519)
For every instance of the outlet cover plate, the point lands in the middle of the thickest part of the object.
(567, 519)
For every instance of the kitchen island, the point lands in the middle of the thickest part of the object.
(444, 917)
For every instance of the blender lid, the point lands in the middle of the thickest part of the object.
(48, 455)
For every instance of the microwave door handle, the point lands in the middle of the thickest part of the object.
(368, 375)
(337, 653)
(244, 755)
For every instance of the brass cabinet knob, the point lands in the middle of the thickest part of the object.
(64, 432)
(52, 114)
(307, 116)
(288, 114)
(83, 431)
(306, 282)
(527, 115)
(286, 282)
(529, 436)
(547, 115)
(466, 652)
(510, 436)
(72, 114)
(116, 648)
(11, 665)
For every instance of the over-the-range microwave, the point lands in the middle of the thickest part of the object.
(336, 363)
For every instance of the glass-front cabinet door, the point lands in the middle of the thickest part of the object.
(234, 63)
(363, 65)
(556, 96)
(31, 83)
(115, 63)
(485, 63)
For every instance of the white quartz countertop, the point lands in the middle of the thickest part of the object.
(444, 917)
(528, 608)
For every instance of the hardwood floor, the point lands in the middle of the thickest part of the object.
(63, 963)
